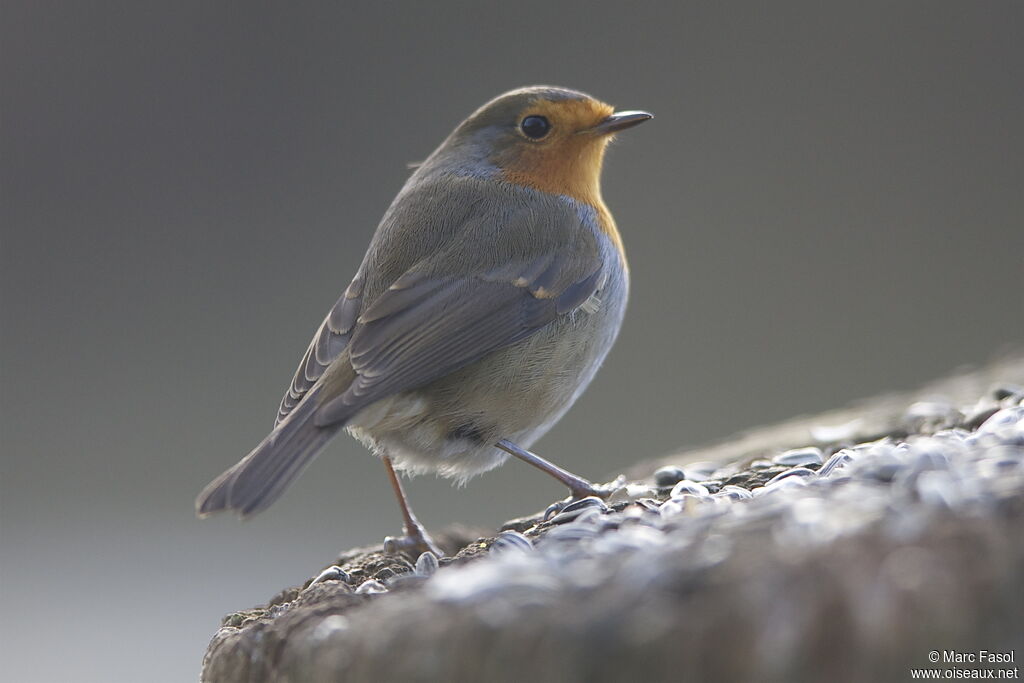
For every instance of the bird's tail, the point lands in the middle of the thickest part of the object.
(262, 476)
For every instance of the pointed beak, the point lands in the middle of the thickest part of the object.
(620, 120)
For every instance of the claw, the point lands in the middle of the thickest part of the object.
(586, 489)
(414, 543)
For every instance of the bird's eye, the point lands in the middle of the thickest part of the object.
(535, 127)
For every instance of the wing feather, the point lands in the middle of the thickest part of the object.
(429, 327)
(330, 340)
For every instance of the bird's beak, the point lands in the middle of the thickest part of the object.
(620, 120)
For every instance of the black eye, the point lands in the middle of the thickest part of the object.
(535, 127)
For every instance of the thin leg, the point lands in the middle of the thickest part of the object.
(578, 486)
(416, 539)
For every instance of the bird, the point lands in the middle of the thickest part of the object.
(492, 290)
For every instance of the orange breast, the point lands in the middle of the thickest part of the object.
(570, 163)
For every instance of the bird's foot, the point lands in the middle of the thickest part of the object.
(414, 543)
(578, 486)
(582, 490)
(585, 489)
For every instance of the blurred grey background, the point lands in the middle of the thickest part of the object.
(828, 205)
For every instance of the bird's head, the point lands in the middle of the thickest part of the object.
(551, 139)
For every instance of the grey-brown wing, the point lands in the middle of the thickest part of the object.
(425, 327)
(329, 341)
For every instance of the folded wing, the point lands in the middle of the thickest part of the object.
(425, 327)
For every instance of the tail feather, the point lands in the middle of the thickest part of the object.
(262, 476)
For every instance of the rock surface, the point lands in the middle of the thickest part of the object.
(846, 546)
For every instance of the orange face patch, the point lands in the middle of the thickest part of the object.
(568, 159)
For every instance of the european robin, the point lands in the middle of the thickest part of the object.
(492, 290)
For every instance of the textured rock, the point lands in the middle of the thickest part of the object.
(842, 547)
